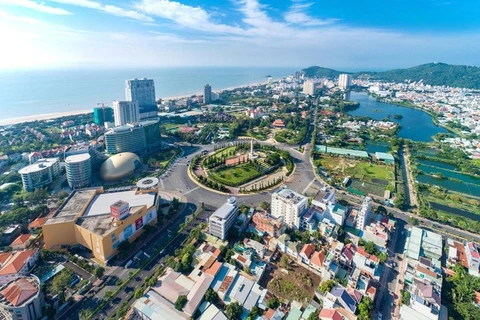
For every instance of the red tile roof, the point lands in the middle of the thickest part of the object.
(16, 263)
(270, 313)
(308, 250)
(329, 314)
(21, 239)
(213, 270)
(4, 256)
(317, 258)
(278, 123)
(19, 291)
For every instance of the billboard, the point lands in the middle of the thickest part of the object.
(138, 223)
(119, 210)
(128, 231)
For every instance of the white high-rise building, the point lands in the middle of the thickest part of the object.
(142, 91)
(221, 220)
(363, 217)
(40, 173)
(309, 87)
(289, 206)
(207, 94)
(125, 112)
(345, 81)
(79, 170)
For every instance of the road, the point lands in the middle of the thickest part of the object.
(410, 197)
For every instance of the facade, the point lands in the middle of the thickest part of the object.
(93, 219)
(207, 94)
(79, 170)
(345, 81)
(40, 174)
(143, 92)
(363, 217)
(126, 112)
(264, 223)
(473, 258)
(221, 220)
(289, 206)
(133, 137)
(22, 299)
(102, 115)
(309, 87)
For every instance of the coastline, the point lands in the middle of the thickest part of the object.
(55, 115)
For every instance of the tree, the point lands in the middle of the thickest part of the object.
(180, 303)
(364, 308)
(382, 210)
(413, 221)
(233, 310)
(382, 257)
(265, 206)
(211, 296)
(253, 313)
(326, 286)
(370, 247)
(138, 293)
(99, 272)
(62, 281)
(284, 262)
(406, 297)
(314, 315)
(273, 303)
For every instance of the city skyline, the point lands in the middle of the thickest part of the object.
(148, 33)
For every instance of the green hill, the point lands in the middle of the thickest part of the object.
(431, 73)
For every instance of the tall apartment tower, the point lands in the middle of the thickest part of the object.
(289, 206)
(207, 94)
(102, 115)
(345, 81)
(125, 112)
(142, 91)
(363, 217)
(309, 87)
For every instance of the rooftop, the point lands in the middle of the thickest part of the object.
(384, 156)
(341, 151)
(225, 210)
(20, 290)
(290, 195)
(39, 165)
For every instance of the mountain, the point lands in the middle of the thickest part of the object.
(431, 73)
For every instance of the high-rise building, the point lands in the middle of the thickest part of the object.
(142, 91)
(40, 173)
(102, 115)
(345, 81)
(133, 137)
(363, 217)
(126, 112)
(221, 220)
(207, 94)
(22, 298)
(79, 170)
(289, 206)
(309, 87)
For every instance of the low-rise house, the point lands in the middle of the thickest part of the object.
(264, 223)
(256, 246)
(339, 297)
(21, 242)
(16, 264)
(367, 263)
(378, 234)
(306, 252)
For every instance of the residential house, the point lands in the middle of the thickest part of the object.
(17, 264)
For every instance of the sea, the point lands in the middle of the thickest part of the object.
(38, 92)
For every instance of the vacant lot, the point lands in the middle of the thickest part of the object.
(298, 284)
(368, 171)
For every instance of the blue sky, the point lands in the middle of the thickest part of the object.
(348, 34)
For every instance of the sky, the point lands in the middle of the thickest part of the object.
(348, 34)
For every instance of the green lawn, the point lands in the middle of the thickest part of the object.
(225, 152)
(235, 176)
(371, 171)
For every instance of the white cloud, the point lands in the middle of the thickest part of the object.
(297, 15)
(195, 18)
(40, 7)
(110, 9)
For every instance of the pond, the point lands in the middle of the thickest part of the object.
(417, 125)
(467, 188)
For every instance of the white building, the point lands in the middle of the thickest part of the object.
(39, 174)
(473, 258)
(221, 220)
(22, 299)
(125, 112)
(207, 94)
(142, 91)
(309, 87)
(79, 170)
(289, 206)
(344, 81)
(363, 217)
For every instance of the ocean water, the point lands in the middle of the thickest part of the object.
(28, 93)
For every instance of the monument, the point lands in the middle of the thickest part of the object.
(252, 155)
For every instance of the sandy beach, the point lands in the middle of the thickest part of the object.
(49, 116)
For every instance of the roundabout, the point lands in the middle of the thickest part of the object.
(242, 168)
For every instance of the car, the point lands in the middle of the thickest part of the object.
(379, 317)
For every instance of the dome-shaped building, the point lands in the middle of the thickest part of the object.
(119, 166)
